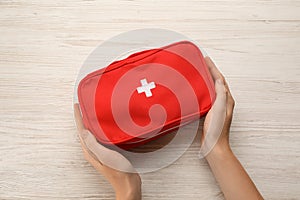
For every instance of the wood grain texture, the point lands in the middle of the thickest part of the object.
(43, 44)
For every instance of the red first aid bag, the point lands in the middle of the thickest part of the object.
(146, 95)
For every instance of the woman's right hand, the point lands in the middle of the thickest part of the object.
(217, 122)
(233, 179)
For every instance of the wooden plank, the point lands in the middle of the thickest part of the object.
(43, 45)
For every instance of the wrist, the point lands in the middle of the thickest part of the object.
(130, 188)
(220, 151)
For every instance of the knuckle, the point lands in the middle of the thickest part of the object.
(231, 100)
(223, 79)
(233, 103)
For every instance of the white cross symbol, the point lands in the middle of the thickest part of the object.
(146, 87)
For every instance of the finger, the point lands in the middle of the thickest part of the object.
(220, 102)
(216, 74)
(81, 129)
(230, 101)
(82, 136)
(107, 156)
(78, 118)
(96, 153)
(90, 158)
(93, 161)
(230, 106)
(214, 71)
(217, 119)
(220, 87)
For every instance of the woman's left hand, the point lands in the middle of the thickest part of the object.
(111, 164)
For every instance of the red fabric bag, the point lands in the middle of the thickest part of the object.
(146, 95)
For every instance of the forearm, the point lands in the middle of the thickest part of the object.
(231, 176)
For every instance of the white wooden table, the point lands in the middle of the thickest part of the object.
(43, 44)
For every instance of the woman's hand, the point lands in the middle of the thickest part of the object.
(234, 181)
(111, 164)
(217, 122)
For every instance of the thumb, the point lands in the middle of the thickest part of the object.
(217, 119)
(107, 156)
(220, 89)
